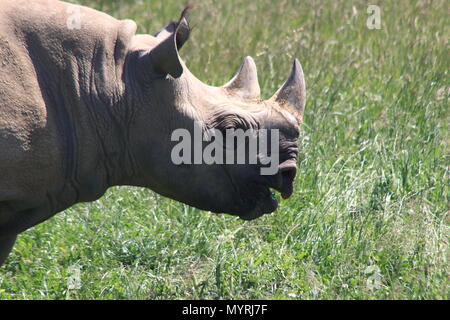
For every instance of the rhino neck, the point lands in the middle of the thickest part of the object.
(97, 122)
(93, 121)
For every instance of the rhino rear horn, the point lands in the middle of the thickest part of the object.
(293, 92)
(164, 59)
(245, 82)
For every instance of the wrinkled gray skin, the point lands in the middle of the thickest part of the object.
(84, 110)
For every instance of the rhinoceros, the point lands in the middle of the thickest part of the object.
(89, 104)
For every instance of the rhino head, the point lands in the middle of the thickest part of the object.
(167, 97)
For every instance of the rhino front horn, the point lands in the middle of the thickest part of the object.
(293, 92)
(245, 82)
(164, 59)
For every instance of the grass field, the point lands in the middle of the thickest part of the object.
(370, 215)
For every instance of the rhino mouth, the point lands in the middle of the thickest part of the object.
(262, 195)
(262, 202)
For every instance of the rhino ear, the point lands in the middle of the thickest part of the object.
(245, 82)
(164, 59)
(293, 92)
(182, 32)
(167, 31)
(181, 26)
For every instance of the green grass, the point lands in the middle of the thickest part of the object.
(372, 191)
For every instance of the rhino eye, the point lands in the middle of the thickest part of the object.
(224, 122)
(293, 133)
